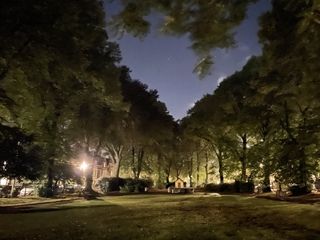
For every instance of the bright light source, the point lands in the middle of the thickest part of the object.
(3, 181)
(83, 166)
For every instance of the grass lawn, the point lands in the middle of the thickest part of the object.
(20, 200)
(166, 217)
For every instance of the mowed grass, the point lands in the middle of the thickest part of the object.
(166, 217)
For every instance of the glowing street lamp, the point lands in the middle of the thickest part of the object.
(83, 166)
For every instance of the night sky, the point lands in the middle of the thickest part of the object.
(166, 63)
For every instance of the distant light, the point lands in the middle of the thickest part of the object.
(83, 166)
(3, 181)
(4, 165)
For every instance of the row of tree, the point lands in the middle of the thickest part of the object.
(264, 120)
(62, 92)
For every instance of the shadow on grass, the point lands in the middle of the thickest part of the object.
(52, 207)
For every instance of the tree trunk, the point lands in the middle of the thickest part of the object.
(190, 172)
(167, 179)
(219, 155)
(116, 171)
(266, 180)
(89, 177)
(217, 150)
(206, 167)
(243, 158)
(89, 173)
(63, 185)
(89, 193)
(116, 155)
(303, 175)
(198, 169)
(220, 162)
(56, 183)
(13, 185)
(49, 185)
(159, 181)
(167, 170)
(139, 162)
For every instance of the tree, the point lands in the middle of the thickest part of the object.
(209, 24)
(206, 123)
(57, 48)
(147, 125)
(20, 158)
(290, 34)
(64, 172)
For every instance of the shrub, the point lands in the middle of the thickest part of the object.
(211, 187)
(129, 185)
(111, 184)
(236, 187)
(244, 187)
(297, 190)
(5, 191)
(225, 187)
(266, 189)
(136, 185)
(44, 191)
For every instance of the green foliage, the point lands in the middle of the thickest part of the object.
(220, 188)
(19, 156)
(236, 187)
(270, 110)
(136, 185)
(209, 24)
(55, 61)
(111, 184)
(297, 190)
(147, 125)
(124, 185)
(244, 187)
(44, 191)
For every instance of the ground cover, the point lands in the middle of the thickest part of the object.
(165, 217)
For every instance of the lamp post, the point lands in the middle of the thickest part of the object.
(83, 168)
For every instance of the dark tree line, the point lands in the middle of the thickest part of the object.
(264, 119)
(63, 91)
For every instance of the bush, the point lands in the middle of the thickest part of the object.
(45, 192)
(211, 187)
(266, 189)
(136, 185)
(124, 185)
(244, 187)
(297, 190)
(236, 187)
(5, 191)
(225, 187)
(111, 184)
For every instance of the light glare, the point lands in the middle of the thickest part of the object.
(83, 166)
